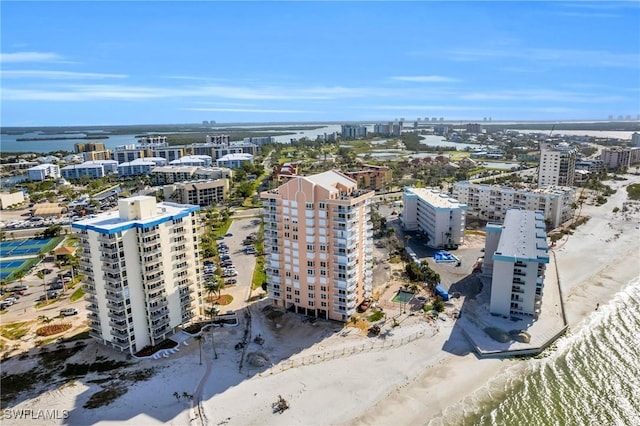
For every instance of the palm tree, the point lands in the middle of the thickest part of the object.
(212, 312)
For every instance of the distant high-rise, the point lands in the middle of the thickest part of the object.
(557, 165)
(635, 139)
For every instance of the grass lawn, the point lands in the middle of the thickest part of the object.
(77, 295)
(16, 330)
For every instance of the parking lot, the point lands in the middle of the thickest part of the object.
(244, 263)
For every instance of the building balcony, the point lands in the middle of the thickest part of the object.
(118, 315)
(112, 277)
(117, 287)
(187, 316)
(92, 307)
(517, 290)
(96, 334)
(187, 300)
(91, 298)
(158, 313)
(160, 332)
(95, 325)
(156, 297)
(161, 322)
(104, 257)
(85, 263)
(119, 333)
(157, 306)
(114, 297)
(119, 325)
(185, 291)
(116, 306)
(273, 279)
(121, 342)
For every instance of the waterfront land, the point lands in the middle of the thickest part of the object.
(414, 372)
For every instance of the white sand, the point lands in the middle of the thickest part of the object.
(409, 384)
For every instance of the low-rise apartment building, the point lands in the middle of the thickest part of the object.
(435, 215)
(372, 177)
(515, 257)
(43, 171)
(201, 193)
(491, 202)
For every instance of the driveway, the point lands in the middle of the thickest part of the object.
(244, 263)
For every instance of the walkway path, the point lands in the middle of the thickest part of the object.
(199, 417)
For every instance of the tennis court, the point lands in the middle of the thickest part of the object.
(7, 267)
(25, 247)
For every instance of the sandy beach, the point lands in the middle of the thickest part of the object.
(418, 373)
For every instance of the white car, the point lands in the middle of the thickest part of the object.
(68, 312)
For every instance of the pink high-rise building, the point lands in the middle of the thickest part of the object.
(318, 245)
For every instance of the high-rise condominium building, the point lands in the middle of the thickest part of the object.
(557, 165)
(437, 216)
(142, 271)
(515, 256)
(318, 245)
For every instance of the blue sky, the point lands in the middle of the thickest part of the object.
(85, 63)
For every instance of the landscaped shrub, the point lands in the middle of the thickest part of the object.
(51, 329)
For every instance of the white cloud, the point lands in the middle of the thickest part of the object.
(57, 75)
(257, 110)
(425, 78)
(29, 57)
(540, 95)
(558, 57)
(85, 92)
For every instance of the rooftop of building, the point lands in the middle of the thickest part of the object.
(551, 189)
(523, 237)
(138, 162)
(175, 169)
(42, 166)
(111, 222)
(435, 198)
(236, 156)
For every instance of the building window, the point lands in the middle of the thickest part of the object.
(323, 264)
(323, 304)
(296, 300)
(310, 263)
(296, 292)
(309, 271)
(311, 295)
(311, 303)
(296, 277)
(323, 272)
(323, 296)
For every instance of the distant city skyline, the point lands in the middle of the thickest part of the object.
(110, 63)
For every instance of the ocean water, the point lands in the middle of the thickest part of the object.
(592, 377)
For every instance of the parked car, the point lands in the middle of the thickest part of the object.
(68, 312)
(47, 271)
(232, 281)
(230, 273)
(20, 287)
(56, 286)
(228, 234)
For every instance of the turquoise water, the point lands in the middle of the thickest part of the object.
(592, 378)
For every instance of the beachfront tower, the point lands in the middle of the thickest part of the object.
(557, 165)
(142, 271)
(515, 258)
(437, 216)
(318, 245)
